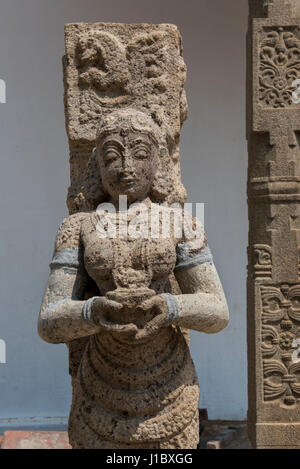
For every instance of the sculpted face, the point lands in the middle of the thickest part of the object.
(127, 164)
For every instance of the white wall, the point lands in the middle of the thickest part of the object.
(35, 174)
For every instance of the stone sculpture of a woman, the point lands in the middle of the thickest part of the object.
(113, 297)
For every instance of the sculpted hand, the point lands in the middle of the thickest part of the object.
(157, 305)
(101, 307)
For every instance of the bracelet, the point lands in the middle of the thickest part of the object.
(87, 311)
(173, 308)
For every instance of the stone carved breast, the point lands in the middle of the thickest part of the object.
(126, 263)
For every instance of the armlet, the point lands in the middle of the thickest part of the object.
(188, 257)
(69, 257)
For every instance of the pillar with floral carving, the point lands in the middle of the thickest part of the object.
(273, 132)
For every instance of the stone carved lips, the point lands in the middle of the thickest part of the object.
(127, 181)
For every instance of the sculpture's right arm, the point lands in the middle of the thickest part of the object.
(62, 316)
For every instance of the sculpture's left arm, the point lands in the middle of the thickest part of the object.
(202, 305)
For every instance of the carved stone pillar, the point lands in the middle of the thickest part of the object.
(273, 129)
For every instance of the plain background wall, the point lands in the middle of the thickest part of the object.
(35, 175)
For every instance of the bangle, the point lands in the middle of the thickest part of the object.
(87, 311)
(173, 308)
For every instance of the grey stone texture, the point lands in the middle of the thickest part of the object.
(274, 193)
(116, 66)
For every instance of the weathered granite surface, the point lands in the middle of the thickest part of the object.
(274, 196)
(118, 66)
(120, 296)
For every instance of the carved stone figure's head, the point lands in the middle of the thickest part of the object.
(133, 158)
(128, 144)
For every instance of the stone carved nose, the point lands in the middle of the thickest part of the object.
(127, 162)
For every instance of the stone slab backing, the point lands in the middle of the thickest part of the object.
(111, 66)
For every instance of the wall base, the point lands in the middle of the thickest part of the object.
(275, 435)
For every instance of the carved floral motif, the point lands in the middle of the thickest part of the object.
(279, 67)
(280, 328)
(282, 381)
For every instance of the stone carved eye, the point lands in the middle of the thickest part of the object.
(141, 153)
(111, 155)
(111, 152)
(140, 149)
